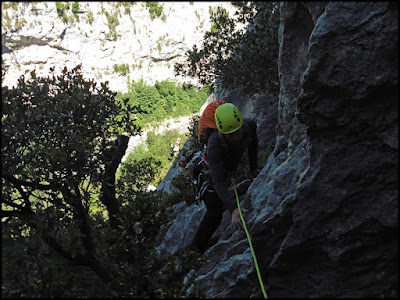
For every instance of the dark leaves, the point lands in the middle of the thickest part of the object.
(232, 56)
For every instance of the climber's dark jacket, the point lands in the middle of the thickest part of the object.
(223, 157)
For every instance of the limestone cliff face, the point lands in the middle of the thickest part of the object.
(323, 213)
(35, 37)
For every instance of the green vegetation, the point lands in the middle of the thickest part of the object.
(56, 136)
(56, 141)
(75, 10)
(155, 9)
(7, 24)
(62, 10)
(152, 159)
(122, 68)
(90, 17)
(19, 23)
(163, 100)
(127, 5)
(179, 264)
(246, 58)
(6, 5)
(113, 22)
(75, 7)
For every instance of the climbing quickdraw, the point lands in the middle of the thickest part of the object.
(248, 238)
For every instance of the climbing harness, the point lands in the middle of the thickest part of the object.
(199, 173)
(248, 238)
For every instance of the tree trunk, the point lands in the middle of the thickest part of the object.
(108, 186)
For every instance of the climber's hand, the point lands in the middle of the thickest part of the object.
(236, 221)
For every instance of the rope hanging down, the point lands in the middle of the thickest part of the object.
(248, 238)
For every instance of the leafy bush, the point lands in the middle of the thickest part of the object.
(75, 10)
(75, 7)
(163, 100)
(56, 133)
(122, 68)
(172, 275)
(144, 169)
(245, 58)
(130, 249)
(186, 190)
(112, 22)
(61, 11)
(151, 164)
(90, 17)
(155, 9)
(7, 5)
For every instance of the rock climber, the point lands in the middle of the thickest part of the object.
(225, 148)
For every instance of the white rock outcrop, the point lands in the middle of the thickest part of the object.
(35, 37)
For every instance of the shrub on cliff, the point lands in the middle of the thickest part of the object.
(163, 100)
(56, 132)
(244, 58)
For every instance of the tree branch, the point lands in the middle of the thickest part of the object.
(82, 260)
(33, 184)
(108, 186)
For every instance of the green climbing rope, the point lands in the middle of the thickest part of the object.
(248, 238)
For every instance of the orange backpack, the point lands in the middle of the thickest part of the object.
(207, 121)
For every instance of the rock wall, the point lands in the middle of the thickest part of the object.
(340, 234)
(323, 213)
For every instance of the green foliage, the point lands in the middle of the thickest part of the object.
(7, 18)
(174, 272)
(7, 5)
(155, 9)
(19, 23)
(31, 269)
(163, 100)
(194, 132)
(245, 58)
(90, 17)
(186, 190)
(149, 162)
(144, 170)
(56, 132)
(112, 22)
(54, 123)
(61, 10)
(75, 10)
(126, 4)
(131, 247)
(122, 68)
(75, 7)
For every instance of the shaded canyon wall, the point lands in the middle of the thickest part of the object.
(323, 213)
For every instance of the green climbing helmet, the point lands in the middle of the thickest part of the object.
(228, 118)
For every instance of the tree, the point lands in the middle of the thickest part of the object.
(57, 134)
(245, 58)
